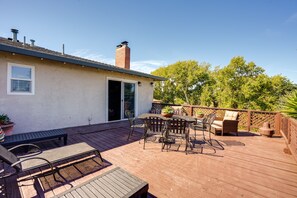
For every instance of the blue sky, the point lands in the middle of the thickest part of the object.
(163, 32)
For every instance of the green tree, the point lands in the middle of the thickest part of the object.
(208, 94)
(231, 79)
(240, 84)
(258, 93)
(185, 82)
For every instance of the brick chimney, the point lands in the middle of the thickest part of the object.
(123, 55)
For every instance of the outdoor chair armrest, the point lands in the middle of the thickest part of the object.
(32, 158)
(23, 145)
(230, 125)
(19, 162)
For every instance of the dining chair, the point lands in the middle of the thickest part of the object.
(178, 130)
(134, 123)
(204, 125)
(155, 127)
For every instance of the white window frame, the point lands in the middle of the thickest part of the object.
(9, 78)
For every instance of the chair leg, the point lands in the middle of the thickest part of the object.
(186, 150)
(144, 139)
(203, 134)
(131, 132)
(209, 133)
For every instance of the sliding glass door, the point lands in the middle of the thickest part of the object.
(121, 97)
(129, 98)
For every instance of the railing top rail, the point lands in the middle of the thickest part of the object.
(167, 104)
(293, 120)
(242, 110)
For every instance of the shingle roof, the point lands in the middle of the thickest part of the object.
(40, 52)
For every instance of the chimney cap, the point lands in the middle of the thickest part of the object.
(15, 31)
(124, 43)
(119, 46)
(32, 42)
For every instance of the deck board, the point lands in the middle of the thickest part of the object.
(258, 168)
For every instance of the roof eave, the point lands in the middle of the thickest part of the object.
(17, 50)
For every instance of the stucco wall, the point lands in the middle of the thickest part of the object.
(65, 95)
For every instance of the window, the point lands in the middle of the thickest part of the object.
(20, 79)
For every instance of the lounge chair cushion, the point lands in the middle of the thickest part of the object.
(218, 123)
(58, 154)
(231, 115)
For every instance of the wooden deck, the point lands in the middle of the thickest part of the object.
(249, 166)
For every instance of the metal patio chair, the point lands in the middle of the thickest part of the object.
(134, 123)
(204, 125)
(155, 127)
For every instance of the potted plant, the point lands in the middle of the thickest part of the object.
(6, 124)
(167, 111)
(199, 114)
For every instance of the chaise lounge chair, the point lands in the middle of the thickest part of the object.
(48, 158)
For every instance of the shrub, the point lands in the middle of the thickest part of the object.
(4, 119)
(290, 105)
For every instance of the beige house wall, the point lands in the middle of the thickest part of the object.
(66, 95)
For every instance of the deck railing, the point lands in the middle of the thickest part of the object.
(288, 129)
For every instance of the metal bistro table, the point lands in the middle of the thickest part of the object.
(167, 128)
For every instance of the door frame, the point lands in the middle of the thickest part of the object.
(122, 80)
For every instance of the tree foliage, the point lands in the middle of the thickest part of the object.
(186, 80)
(240, 84)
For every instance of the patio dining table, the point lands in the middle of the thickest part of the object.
(171, 125)
(189, 119)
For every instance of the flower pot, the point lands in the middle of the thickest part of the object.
(7, 128)
(2, 135)
(266, 130)
(200, 115)
(167, 115)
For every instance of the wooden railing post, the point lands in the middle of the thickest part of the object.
(191, 110)
(289, 131)
(277, 121)
(248, 123)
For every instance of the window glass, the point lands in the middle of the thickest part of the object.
(20, 86)
(21, 72)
